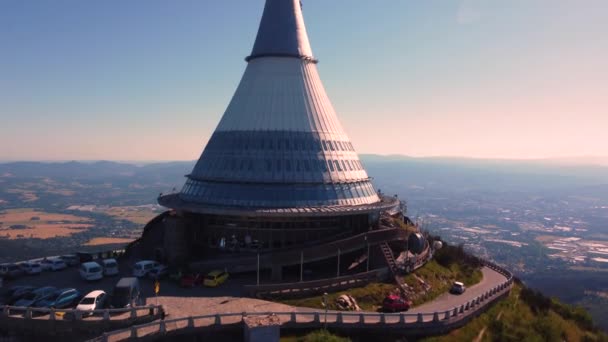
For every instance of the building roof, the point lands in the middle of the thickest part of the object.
(282, 31)
(279, 143)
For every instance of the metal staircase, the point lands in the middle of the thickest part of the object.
(392, 265)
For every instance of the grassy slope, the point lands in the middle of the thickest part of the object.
(440, 278)
(370, 297)
(315, 336)
(513, 319)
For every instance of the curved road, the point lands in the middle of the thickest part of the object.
(449, 301)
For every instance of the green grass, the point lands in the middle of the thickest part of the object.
(370, 297)
(512, 319)
(316, 336)
(440, 278)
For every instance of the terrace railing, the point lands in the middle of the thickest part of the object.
(423, 323)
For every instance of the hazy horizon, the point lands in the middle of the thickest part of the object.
(568, 160)
(457, 78)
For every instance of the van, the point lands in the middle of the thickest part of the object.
(141, 268)
(91, 271)
(110, 267)
(30, 267)
(10, 271)
(126, 293)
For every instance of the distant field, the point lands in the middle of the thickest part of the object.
(137, 215)
(31, 223)
(107, 241)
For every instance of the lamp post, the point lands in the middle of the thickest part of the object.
(326, 308)
(258, 273)
(338, 272)
(301, 266)
(367, 260)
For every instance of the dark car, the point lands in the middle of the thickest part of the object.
(60, 299)
(84, 257)
(191, 280)
(126, 293)
(17, 292)
(70, 259)
(34, 296)
(395, 303)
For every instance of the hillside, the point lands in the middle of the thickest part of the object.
(527, 315)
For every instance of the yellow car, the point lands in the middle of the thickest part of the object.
(215, 278)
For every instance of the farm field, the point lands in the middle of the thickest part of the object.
(136, 214)
(32, 223)
(98, 241)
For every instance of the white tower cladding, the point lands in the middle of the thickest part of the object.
(279, 144)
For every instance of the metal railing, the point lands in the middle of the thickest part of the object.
(310, 287)
(8, 311)
(438, 321)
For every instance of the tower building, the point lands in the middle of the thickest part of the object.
(279, 174)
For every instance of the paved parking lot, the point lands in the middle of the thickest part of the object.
(178, 301)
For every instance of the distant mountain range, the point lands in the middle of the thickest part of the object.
(387, 171)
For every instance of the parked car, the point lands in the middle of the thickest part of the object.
(126, 293)
(158, 272)
(46, 264)
(458, 288)
(17, 292)
(70, 259)
(32, 297)
(94, 300)
(10, 271)
(110, 267)
(215, 278)
(395, 303)
(191, 280)
(57, 264)
(60, 299)
(84, 257)
(141, 268)
(91, 271)
(31, 268)
(176, 275)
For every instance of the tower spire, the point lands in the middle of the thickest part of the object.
(282, 32)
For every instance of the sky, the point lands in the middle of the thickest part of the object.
(150, 79)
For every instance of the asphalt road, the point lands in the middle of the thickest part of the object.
(448, 301)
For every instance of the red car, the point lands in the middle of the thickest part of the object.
(191, 280)
(395, 303)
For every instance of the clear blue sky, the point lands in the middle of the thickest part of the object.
(149, 79)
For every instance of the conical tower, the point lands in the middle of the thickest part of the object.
(279, 144)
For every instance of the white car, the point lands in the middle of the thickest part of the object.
(91, 271)
(141, 268)
(93, 301)
(46, 264)
(54, 264)
(458, 288)
(110, 267)
(30, 267)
